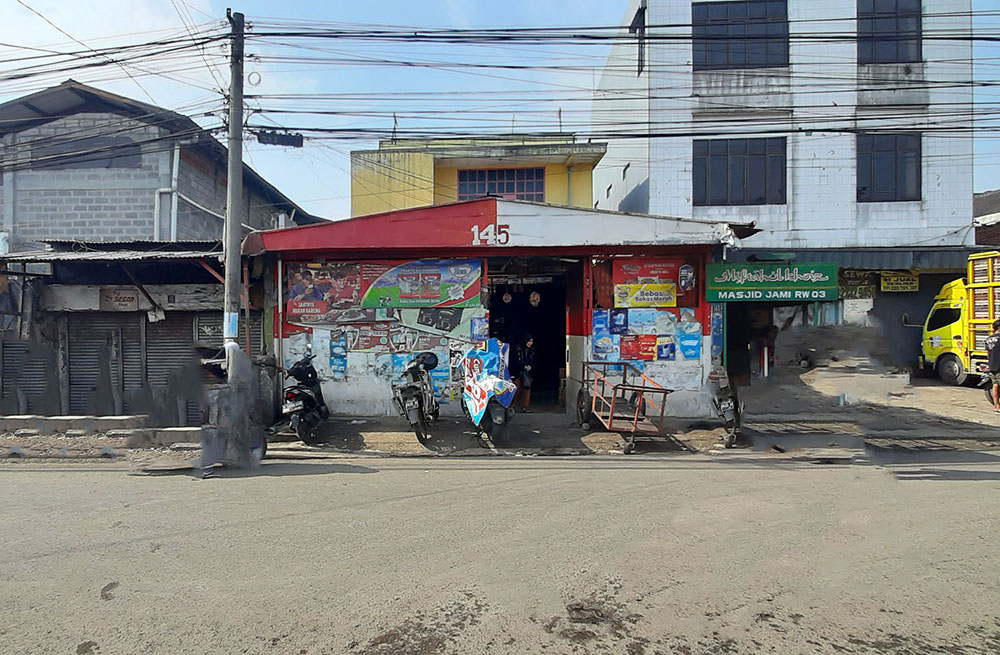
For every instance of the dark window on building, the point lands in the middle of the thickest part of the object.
(888, 167)
(89, 152)
(943, 318)
(638, 27)
(513, 183)
(889, 31)
(739, 172)
(732, 35)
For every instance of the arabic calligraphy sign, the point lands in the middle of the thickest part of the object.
(771, 282)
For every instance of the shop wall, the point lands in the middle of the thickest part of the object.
(889, 308)
(364, 321)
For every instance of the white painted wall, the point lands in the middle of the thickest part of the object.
(818, 93)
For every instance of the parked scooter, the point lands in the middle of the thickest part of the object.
(303, 402)
(413, 395)
(488, 392)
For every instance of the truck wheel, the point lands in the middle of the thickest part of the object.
(951, 371)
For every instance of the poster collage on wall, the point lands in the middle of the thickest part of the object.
(653, 318)
(391, 310)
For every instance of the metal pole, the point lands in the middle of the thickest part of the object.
(234, 199)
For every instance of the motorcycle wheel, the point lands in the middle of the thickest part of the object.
(303, 432)
(988, 388)
(420, 427)
(260, 450)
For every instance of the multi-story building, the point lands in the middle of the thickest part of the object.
(81, 164)
(837, 127)
(419, 172)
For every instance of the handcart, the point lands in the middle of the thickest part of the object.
(623, 400)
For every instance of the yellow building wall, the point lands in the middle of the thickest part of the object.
(559, 190)
(386, 180)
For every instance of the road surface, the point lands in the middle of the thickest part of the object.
(683, 554)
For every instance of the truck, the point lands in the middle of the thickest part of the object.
(955, 331)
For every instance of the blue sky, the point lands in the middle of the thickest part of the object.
(317, 175)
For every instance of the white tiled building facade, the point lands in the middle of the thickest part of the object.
(833, 104)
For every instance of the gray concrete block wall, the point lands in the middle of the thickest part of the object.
(88, 203)
(204, 182)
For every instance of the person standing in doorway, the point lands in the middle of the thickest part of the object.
(521, 373)
(993, 347)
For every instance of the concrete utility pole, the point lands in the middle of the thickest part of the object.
(234, 199)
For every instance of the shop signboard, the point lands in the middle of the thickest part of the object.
(771, 282)
(892, 282)
(341, 292)
(645, 295)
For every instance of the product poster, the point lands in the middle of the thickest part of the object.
(629, 346)
(666, 321)
(645, 271)
(600, 321)
(687, 315)
(452, 322)
(338, 357)
(480, 328)
(606, 347)
(690, 345)
(666, 349)
(642, 321)
(717, 322)
(689, 340)
(441, 377)
(647, 347)
(619, 321)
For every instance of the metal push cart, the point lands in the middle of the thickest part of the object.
(623, 400)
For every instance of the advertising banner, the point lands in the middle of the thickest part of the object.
(343, 292)
(771, 282)
(646, 295)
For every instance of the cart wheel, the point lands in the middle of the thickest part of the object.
(629, 447)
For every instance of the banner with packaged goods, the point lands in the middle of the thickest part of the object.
(335, 293)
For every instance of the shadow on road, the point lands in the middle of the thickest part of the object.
(946, 474)
(860, 407)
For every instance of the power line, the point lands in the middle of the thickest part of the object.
(70, 36)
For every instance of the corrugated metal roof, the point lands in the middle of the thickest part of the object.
(872, 259)
(107, 256)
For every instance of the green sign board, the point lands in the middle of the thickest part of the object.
(771, 282)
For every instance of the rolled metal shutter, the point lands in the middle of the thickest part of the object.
(209, 331)
(170, 348)
(90, 336)
(23, 370)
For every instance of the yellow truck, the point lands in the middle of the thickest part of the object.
(961, 318)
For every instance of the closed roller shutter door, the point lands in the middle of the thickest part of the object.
(24, 370)
(90, 339)
(170, 348)
(209, 326)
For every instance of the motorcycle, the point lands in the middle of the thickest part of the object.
(730, 409)
(413, 395)
(303, 402)
(487, 392)
(987, 385)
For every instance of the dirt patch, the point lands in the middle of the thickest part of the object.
(87, 648)
(598, 620)
(426, 634)
(106, 591)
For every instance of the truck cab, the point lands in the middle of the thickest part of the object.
(943, 344)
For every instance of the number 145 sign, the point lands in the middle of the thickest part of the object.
(490, 235)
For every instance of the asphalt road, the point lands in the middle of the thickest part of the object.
(685, 554)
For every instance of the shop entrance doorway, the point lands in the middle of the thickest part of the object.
(529, 298)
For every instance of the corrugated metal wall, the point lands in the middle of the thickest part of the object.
(22, 372)
(170, 350)
(91, 363)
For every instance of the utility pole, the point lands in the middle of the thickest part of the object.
(234, 200)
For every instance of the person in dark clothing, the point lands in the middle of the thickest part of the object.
(993, 347)
(520, 372)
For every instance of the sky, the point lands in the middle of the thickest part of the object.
(317, 176)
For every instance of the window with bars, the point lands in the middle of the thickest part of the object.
(889, 31)
(888, 167)
(734, 35)
(739, 172)
(513, 183)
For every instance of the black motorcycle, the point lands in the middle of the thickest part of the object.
(303, 402)
(414, 398)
